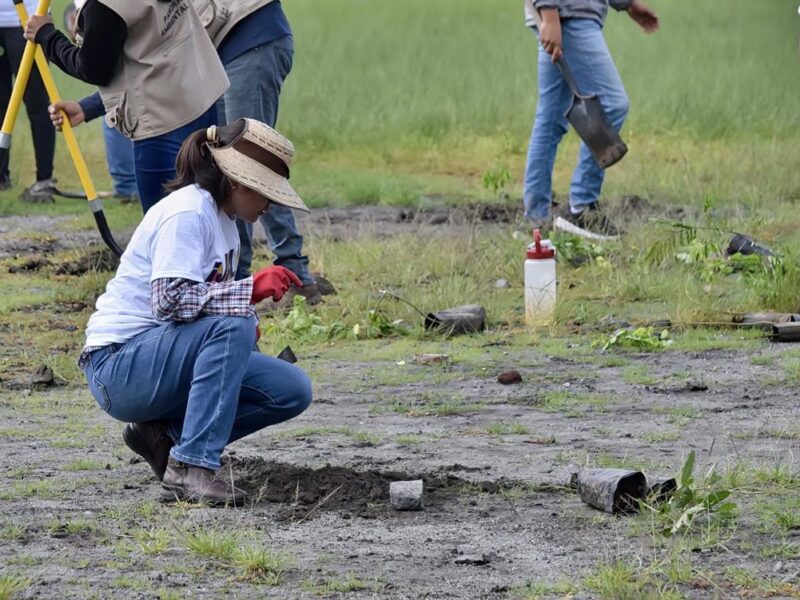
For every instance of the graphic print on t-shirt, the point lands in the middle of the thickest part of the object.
(218, 273)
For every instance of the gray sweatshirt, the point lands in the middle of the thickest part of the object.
(575, 9)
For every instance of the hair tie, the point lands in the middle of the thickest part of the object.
(211, 134)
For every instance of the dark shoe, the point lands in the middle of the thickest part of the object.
(324, 284)
(5, 183)
(594, 220)
(40, 192)
(196, 484)
(150, 441)
(310, 292)
(127, 198)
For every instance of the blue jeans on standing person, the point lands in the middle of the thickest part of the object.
(119, 158)
(256, 79)
(203, 378)
(587, 55)
(154, 158)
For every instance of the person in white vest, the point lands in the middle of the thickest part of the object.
(36, 101)
(158, 74)
(255, 44)
(119, 149)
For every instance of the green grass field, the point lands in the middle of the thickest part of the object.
(389, 102)
(401, 104)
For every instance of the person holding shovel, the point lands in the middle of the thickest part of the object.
(158, 74)
(119, 149)
(255, 44)
(574, 29)
(170, 348)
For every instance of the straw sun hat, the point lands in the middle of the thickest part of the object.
(259, 158)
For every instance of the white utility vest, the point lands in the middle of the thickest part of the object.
(169, 73)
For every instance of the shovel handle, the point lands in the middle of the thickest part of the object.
(566, 73)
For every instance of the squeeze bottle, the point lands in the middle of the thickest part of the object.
(540, 281)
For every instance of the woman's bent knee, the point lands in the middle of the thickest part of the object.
(302, 394)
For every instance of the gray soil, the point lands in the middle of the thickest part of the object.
(497, 510)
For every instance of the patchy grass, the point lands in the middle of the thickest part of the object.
(11, 585)
(638, 375)
(503, 428)
(350, 583)
(539, 590)
(442, 404)
(658, 437)
(624, 581)
(680, 415)
(570, 402)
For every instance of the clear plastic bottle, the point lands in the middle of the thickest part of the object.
(540, 281)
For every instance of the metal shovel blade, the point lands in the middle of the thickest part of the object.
(589, 119)
(591, 123)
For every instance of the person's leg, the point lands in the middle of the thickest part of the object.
(190, 374)
(6, 79)
(588, 56)
(119, 158)
(256, 80)
(246, 248)
(273, 391)
(549, 128)
(42, 130)
(36, 103)
(154, 158)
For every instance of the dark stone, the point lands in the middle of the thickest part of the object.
(509, 378)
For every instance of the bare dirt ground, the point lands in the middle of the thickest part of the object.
(81, 517)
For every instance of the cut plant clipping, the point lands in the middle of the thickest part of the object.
(444, 408)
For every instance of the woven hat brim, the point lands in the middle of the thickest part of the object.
(251, 173)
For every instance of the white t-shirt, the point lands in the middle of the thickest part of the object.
(184, 236)
(9, 16)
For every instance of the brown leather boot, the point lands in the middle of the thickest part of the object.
(150, 441)
(196, 484)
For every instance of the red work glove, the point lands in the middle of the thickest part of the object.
(273, 282)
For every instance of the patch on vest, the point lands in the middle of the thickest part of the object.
(174, 12)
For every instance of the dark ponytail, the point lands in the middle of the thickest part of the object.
(196, 165)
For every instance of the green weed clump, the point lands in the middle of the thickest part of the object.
(302, 324)
(690, 501)
(641, 338)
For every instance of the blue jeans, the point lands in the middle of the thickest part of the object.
(256, 79)
(203, 378)
(119, 157)
(586, 53)
(154, 158)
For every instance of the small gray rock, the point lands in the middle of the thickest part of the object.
(406, 495)
(502, 284)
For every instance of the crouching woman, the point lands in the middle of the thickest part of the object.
(170, 348)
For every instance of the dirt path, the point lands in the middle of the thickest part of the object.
(42, 234)
(83, 520)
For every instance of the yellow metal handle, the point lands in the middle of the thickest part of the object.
(23, 74)
(52, 93)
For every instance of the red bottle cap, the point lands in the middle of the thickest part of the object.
(538, 251)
